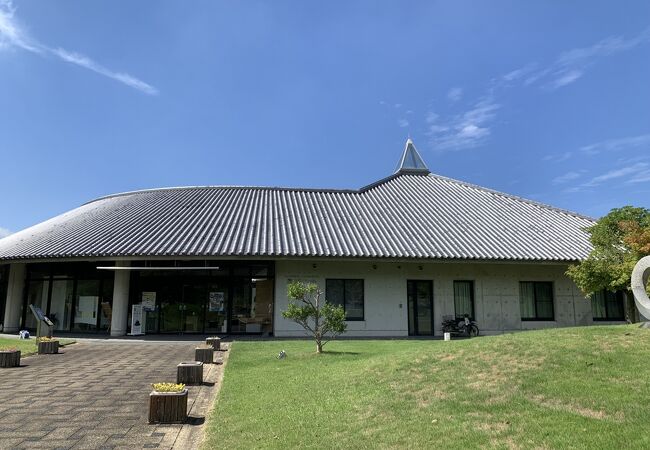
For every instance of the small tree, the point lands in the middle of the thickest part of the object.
(308, 309)
(619, 240)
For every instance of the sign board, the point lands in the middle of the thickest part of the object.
(149, 301)
(40, 316)
(137, 320)
(38, 312)
(217, 301)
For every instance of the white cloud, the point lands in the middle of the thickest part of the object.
(4, 232)
(455, 94)
(466, 130)
(618, 144)
(640, 177)
(569, 176)
(431, 117)
(83, 61)
(635, 173)
(609, 145)
(13, 35)
(558, 157)
(617, 173)
(571, 65)
(517, 74)
(403, 123)
(605, 47)
(567, 77)
(473, 127)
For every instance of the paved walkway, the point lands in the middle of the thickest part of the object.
(93, 395)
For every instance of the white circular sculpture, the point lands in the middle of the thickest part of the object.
(640, 276)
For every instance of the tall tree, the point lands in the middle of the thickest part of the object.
(309, 309)
(619, 240)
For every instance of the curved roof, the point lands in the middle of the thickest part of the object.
(407, 215)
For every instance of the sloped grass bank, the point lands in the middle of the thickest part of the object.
(566, 388)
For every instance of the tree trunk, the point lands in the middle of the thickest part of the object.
(319, 347)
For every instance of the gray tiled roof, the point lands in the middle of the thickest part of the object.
(403, 216)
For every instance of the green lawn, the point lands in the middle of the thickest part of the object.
(26, 346)
(567, 388)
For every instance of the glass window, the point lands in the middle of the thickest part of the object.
(215, 315)
(61, 304)
(243, 307)
(4, 280)
(347, 293)
(420, 307)
(106, 305)
(36, 295)
(607, 305)
(464, 298)
(536, 300)
(77, 294)
(86, 305)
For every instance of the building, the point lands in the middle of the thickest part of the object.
(399, 255)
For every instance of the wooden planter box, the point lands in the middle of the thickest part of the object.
(9, 358)
(204, 354)
(214, 342)
(48, 347)
(168, 407)
(189, 373)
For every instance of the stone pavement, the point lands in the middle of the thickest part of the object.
(95, 395)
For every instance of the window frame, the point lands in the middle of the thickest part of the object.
(363, 297)
(472, 295)
(536, 318)
(608, 318)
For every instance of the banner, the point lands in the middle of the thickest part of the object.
(137, 319)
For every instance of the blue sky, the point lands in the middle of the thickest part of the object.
(546, 100)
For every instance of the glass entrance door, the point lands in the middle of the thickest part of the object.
(192, 311)
(420, 307)
(215, 314)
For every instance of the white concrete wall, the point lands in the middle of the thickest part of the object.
(496, 294)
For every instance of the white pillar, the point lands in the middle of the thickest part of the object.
(120, 299)
(14, 305)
